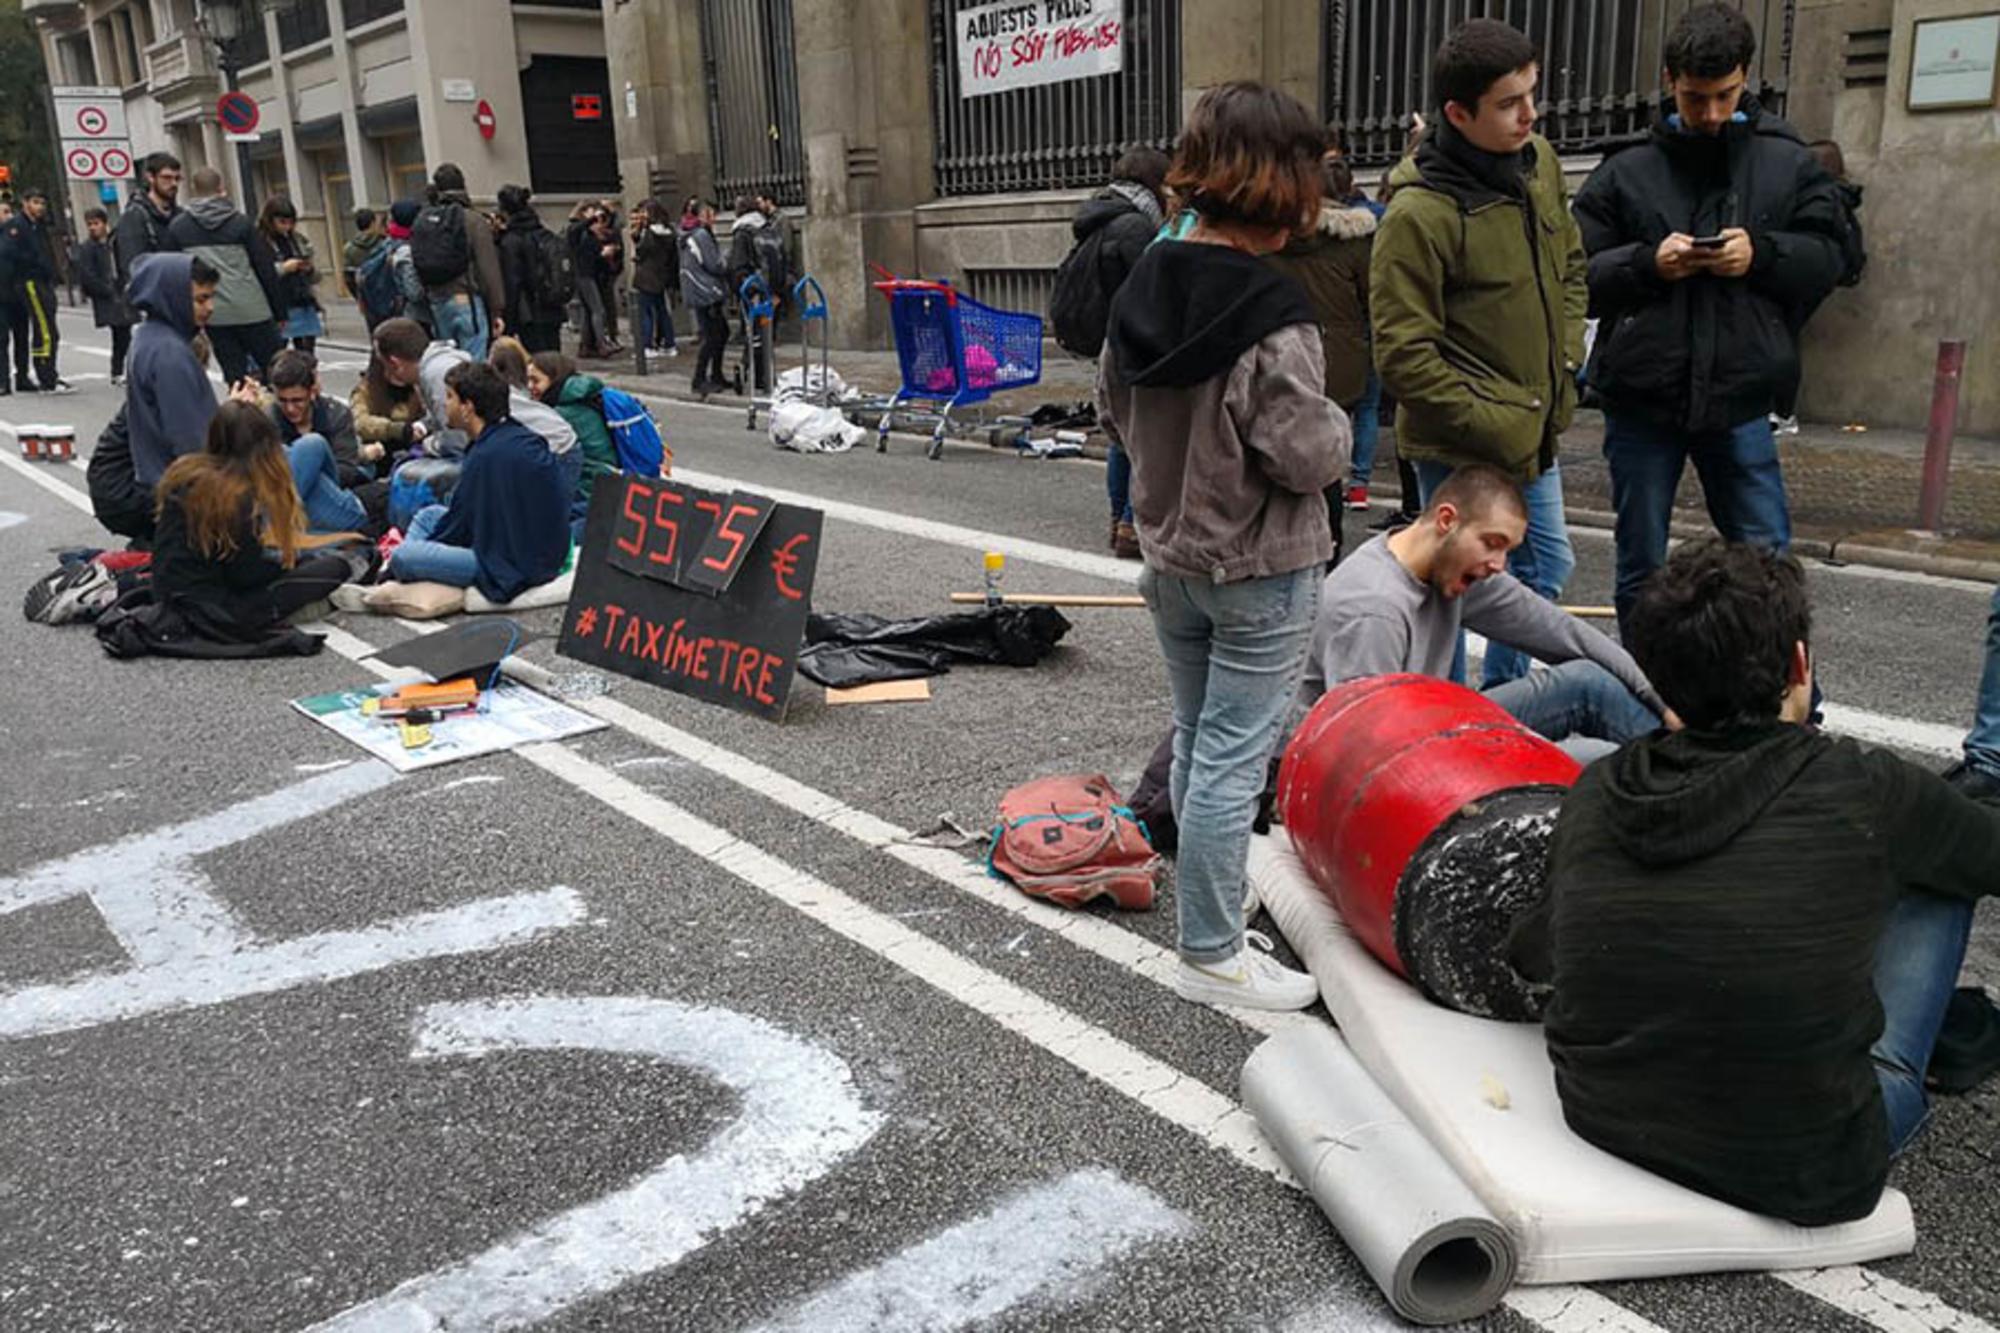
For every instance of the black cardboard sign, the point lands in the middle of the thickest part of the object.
(700, 592)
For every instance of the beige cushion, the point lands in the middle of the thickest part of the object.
(553, 593)
(418, 601)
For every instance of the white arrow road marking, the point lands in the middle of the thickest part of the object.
(800, 1116)
(1045, 1244)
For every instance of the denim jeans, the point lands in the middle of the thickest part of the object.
(655, 321)
(421, 560)
(1118, 482)
(1982, 743)
(1916, 970)
(328, 507)
(1739, 478)
(1543, 561)
(1576, 699)
(1234, 654)
(462, 320)
(1367, 416)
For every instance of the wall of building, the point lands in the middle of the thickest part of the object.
(1932, 180)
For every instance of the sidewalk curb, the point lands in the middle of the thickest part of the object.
(1943, 566)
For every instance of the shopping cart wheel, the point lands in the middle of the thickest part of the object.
(936, 449)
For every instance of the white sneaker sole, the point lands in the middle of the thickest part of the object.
(1198, 988)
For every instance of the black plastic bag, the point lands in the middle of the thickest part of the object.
(847, 650)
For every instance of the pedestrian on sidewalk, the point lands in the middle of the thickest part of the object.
(538, 270)
(586, 239)
(612, 268)
(703, 273)
(1366, 413)
(1709, 244)
(1477, 292)
(13, 319)
(298, 280)
(32, 258)
(367, 243)
(1110, 233)
(1331, 264)
(409, 287)
(97, 274)
(142, 227)
(452, 247)
(656, 273)
(1211, 379)
(751, 243)
(244, 329)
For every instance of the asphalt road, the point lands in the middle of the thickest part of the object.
(675, 1025)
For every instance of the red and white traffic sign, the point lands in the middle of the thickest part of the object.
(91, 121)
(115, 162)
(81, 163)
(90, 125)
(483, 117)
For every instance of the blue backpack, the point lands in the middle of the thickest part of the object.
(377, 279)
(418, 484)
(634, 435)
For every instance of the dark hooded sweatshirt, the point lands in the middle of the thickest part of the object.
(1212, 379)
(511, 507)
(168, 401)
(1715, 904)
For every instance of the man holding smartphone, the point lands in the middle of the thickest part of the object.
(1710, 243)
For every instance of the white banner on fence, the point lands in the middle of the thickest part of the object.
(1029, 42)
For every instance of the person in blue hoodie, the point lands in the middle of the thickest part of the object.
(168, 399)
(507, 526)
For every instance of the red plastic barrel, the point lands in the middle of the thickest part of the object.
(1378, 766)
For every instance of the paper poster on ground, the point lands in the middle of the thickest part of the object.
(513, 715)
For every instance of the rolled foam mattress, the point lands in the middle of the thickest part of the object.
(1483, 1093)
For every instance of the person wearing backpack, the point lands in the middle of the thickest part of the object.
(703, 274)
(368, 242)
(1112, 229)
(243, 331)
(453, 250)
(554, 380)
(656, 272)
(538, 271)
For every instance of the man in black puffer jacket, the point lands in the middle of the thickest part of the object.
(1710, 243)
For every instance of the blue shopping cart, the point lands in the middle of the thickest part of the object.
(954, 351)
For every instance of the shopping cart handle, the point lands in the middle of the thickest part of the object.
(756, 296)
(816, 307)
(895, 285)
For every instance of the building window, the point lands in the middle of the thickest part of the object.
(303, 24)
(79, 63)
(131, 57)
(751, 67)
(404, 156)
(358, 12)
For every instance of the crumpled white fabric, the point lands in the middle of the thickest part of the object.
(808, 429)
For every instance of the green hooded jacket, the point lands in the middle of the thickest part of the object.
(1478, 333)
(577, 403)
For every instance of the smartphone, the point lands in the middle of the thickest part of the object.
(1710, 242)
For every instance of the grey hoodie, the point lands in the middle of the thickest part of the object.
(702, 270)
(216, 229)
(168, 399)
(540, 418)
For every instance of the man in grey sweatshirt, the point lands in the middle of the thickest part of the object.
(1398, 604)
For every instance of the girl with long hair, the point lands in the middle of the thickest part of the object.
(230, 549)
(278, 224)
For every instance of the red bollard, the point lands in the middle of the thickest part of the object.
(1937, 439)
(1422, 811)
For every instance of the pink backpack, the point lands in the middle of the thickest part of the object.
(1070, 839)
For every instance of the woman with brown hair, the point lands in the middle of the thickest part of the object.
(230, 532)
(1212, 379)
(298, 280)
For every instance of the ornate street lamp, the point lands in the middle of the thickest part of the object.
(224, 23)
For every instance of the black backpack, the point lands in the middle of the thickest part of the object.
(439, 246)
(1079, 307)
(1853, 248)
(551, 271)
(769, 247)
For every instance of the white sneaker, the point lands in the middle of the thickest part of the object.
(1251, 980)
(349, 597)
(1252, 904)
(1784, 425)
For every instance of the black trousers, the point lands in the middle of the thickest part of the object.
(38, 307)
(312, 579)
(714, 342)
(121, 345)
(540, 336)
(242, 349)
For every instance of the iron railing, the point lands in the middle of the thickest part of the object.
(1060, 135)
(1600, 64)
(750, 64)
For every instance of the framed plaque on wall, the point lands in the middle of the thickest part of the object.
(1955, 63)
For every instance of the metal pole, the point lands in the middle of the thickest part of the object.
(637, 330)
(1937, 440)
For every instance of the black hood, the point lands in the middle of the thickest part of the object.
(1097, 213)
(1190, 310)
(525, 221)
(1679, 796)
(1449, 163)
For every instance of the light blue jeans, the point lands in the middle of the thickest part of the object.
(1982, 743)
(1367, 415)
(1235, 652)
(462, 320)
(421, 560)
(1544, 561)
(1576, 699)
(329, 508)
(1916, 970)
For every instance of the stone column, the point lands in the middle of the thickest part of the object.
(1221, 40)
(469, 39)
(364, 167)
(304, 183)
(654, 49)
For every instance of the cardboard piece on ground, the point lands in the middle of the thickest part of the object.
(883, 692)
(473, 648)
(512, 715)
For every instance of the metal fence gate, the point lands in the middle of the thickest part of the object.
(1600, 63)
(750, 64)
(1061, 135)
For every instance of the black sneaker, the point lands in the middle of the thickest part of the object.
(74, 592)
(1979, 785)
(1968, 1045)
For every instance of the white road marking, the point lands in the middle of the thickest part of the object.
(1044, 1244)
(41, 474)
(8, 519)
(799, 1116)
(1576, 1310)
(1882, 1301)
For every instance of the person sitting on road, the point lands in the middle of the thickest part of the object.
(1397, 604)
(507, 526)
(554, 379)
(168, 399)
(318, 434)
(1211, 380)
(388, 414)
(409, 358)
(227, 554)
(1752, 928)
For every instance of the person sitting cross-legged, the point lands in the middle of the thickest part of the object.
(318, 431)
(1753, 929)
(507, 526)
(1398, 602)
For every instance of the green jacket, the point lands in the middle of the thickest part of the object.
(1478, 334)
(576, 402)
